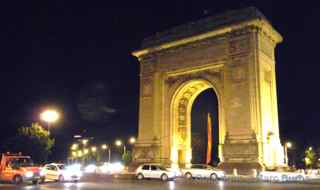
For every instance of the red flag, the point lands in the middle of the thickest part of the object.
(209, 146)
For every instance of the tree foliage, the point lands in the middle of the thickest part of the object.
(126, 158)
(33, 141)
(310, 158)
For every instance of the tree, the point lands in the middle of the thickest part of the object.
(310, 158)
(126, 158)
(33, 141)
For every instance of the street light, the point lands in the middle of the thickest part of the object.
(80, 153)
(287, 146)
(119, 143)
(49, 116)
(74, 147)
(105, 147)
(85, 142)
(93, 149)
(132, 140)
(74, 154)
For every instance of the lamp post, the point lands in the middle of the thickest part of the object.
(119, 143)
(287, 146)
(49, 116)
(105, 147)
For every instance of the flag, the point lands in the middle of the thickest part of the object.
(209, 145)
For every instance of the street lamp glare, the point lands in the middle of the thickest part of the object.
(104, 146)
(49, 116)
(132, 140)
(118, 143)
(93, 149)
(84, 141)
(289, 144)
(74, 147)
(79, 153)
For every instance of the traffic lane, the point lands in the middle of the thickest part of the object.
(159, 185)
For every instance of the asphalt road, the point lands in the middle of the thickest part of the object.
(157, 185)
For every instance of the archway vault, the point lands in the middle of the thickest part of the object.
(180, 119)
(235, 57)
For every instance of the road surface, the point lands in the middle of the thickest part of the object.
(158, 185)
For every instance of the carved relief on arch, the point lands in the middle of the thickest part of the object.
(238, 66)
(182, 112)
(238, 74)
(147, 68)
(266, 45)
(213, 74)
(239, 44)
(147, 87)
(267, 72)
(148, 65)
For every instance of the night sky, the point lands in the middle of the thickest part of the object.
(64, 54)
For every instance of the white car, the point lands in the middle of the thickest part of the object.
(154, 171)
(202, 171)
(60, 172)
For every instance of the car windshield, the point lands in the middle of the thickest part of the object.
(21, 162)
(61, 167)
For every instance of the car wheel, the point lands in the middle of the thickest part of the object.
(43, 179)
(140, 176)
(164, 177)
(35, 182)
(61, 178)
(188, 175)
(17, 180)
(213, 177)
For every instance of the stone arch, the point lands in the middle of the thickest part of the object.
(235, 57)
(181, 102)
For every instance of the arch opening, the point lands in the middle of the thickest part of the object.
(205, 128)
(189, 99)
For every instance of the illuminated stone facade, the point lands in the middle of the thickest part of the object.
(232, 53)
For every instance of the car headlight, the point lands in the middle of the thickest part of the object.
(79, 174)
(68, 173)
(221, 174)
(42, 173)
(29, 174)
(171, 174)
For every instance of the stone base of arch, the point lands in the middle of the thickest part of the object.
(241, 168)
(241, 155)
(236, 160)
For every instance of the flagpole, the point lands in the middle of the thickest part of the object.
(209, 136)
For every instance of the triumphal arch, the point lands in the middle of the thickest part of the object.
(232, 53)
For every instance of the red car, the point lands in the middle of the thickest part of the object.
(17, 168)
